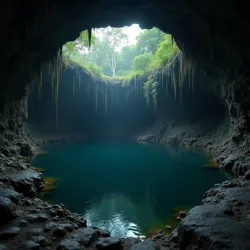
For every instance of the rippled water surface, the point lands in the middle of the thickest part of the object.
(128, 188)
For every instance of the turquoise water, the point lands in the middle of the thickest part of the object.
(127, 188)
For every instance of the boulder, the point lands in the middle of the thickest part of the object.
(86, 236)
(33, 232)
(247, 175)
(228, 162)
(209, 228)
(10, 193)
(69, 245)
(7, 208)
(59, 232)
(27, 182)
(109, 243)
(29, 245)
(145, 245)
(26, 150)
(10, 233)
(41, 240)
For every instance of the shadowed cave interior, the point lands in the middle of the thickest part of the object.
(212, 117)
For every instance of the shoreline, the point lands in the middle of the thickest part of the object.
(218, 208)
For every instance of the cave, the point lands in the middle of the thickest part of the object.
(213, 117)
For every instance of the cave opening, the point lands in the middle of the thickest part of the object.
(213, 117)
(111, 98)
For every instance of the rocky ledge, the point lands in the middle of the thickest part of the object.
(30, 223)
(231, 156)
(222, 221)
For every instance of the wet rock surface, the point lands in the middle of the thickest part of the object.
(7, 209)
(70, 245)
(27, 182)
(145, 245)
(109, 243)
(28, 231)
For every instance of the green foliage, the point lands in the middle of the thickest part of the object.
(142, 62)
(80, 44)
(166, 51)
(149, 40)
(94, 68)
(150, 90)
(153, 50)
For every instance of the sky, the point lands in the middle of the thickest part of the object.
(131, 31)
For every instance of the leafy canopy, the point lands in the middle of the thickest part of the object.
(110, 54)
(142, 62)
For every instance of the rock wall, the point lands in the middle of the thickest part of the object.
(213, 118)
(89, 107)
(214, 33)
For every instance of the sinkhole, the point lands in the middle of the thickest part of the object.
(95, 99)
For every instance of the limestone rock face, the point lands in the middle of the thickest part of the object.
(208, 227)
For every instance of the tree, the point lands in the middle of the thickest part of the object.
(105, 51)
(95, 69)
(142, 62)
(79, 45)
(149, 40)
(126, 57)
(114, 38)
(167, 50)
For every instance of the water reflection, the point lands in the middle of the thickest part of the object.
(130, 189)
(116, 213)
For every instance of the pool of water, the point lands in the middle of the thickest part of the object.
(127, 188)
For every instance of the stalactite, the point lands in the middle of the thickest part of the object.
(135, 84)
(57, 70)
(116, 98)
(174, 79)
(189, 76)
(96, 97)
(40, 83)
(88, 89)
(106, 101)
(74, 86)
(162, 77)
(192, 71)
(112, 96)
(211, 55)
(166, 82)
(79, 80)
